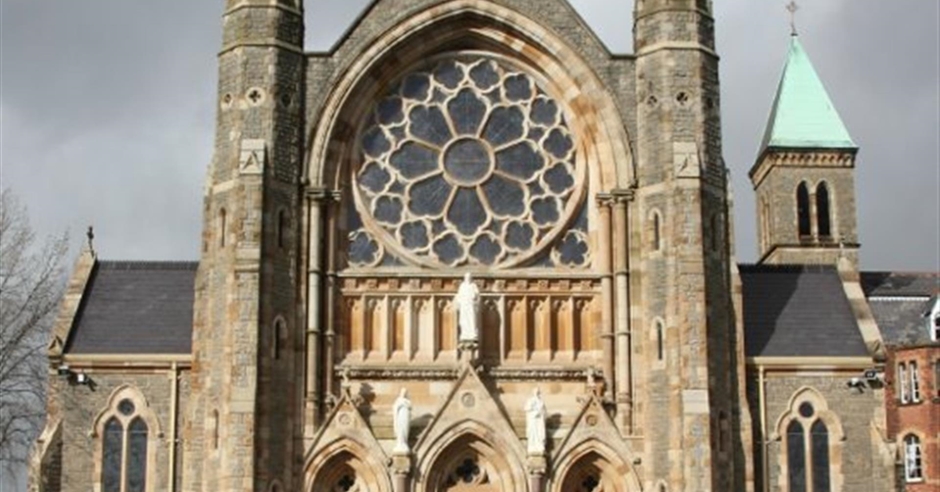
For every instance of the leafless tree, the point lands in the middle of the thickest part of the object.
(31, 284)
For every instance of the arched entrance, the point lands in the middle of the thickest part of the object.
(592, 472)
(345, 472)
(470, 465)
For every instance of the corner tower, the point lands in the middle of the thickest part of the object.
(804, 176)
(245, 404)
(690, 403)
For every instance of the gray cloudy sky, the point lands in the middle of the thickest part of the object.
(107, 111)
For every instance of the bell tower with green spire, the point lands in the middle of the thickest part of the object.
(804, 176)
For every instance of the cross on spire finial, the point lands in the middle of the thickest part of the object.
(792, 7)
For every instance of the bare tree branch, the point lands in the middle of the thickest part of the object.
(31, 285)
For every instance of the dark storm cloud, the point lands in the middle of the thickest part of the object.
(108, 110)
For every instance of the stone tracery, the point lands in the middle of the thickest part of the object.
(468, 163)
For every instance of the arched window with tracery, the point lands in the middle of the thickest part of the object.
(802, 211)
(811, 436)
(125, 432)
(823, 212)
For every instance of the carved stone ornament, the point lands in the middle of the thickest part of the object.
(253, 156)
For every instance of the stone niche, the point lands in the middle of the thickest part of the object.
(393, 320)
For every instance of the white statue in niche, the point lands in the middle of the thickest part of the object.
(467, 302)
(401, 415)
(535, 414)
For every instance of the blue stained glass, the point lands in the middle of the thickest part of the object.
(137, 456)
(397, 188)
(467, 213)
(390, 111)
(416, 87)
(438, 96)
(535, 189)
(362, 249)
(486, 250)
(126, 407)
(496, 227)
(544, 112)
(388, 209)
(518, 88)
(558, 144)
(820, 446)
(112, 443)
(484, 75)
(428, 124)
(449, 74)
(414, 160)
(438, 226)
(504, 126)
(493, 96)
(581, 223)
(448, 249)
(467, 161)
(545, 211)
(505, 197)
(375, 143)
(398, 133)
(519, 236)
(390, 260)
(414, 235)
(535, 134)
(573, 250)
(374, 178)
(796, 457)
(428, 197)
(466, 112)
(806, 410)
(520, 161)
(558, 179)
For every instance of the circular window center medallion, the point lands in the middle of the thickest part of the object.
(468, 162)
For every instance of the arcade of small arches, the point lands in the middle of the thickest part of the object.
(471, 464)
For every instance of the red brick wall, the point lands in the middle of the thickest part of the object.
(921, 418)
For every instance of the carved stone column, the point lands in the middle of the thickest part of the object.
(604, 268)
(313, 394)
(329, 237)
(401, 472)
(537, 465)
(622, 358)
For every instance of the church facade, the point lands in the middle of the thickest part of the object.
(469, 249)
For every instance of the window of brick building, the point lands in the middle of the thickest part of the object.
(913, 459)
(915, 382)
(902, 383)
(936, 378)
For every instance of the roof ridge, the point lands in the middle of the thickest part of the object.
(786, 267)
(147, 265)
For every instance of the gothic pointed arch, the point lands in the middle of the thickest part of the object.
(812, 440)
(345, 454)
(592, 457)
(469, 426)
(464, 25)
(126, 435)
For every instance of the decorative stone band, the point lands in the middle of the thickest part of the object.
(528, 373)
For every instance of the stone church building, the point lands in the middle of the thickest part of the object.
(617, 345)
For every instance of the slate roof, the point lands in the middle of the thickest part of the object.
(802, 115)
(898, 301)
(136, 308)
(792, 311)
(898, 284)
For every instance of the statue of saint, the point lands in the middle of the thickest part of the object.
(535, 413)
(401, 415)
(467, 302)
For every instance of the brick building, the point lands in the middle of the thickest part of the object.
(615, 344)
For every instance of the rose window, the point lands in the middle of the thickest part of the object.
(468, 163)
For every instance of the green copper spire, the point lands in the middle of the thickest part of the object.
(803, 115)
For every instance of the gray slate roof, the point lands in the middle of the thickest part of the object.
(136, 308)
(898, 301)
(895, 284)
(792, 311)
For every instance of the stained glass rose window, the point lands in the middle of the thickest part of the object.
(467, 163)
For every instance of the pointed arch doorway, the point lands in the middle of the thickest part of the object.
(470, 465)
